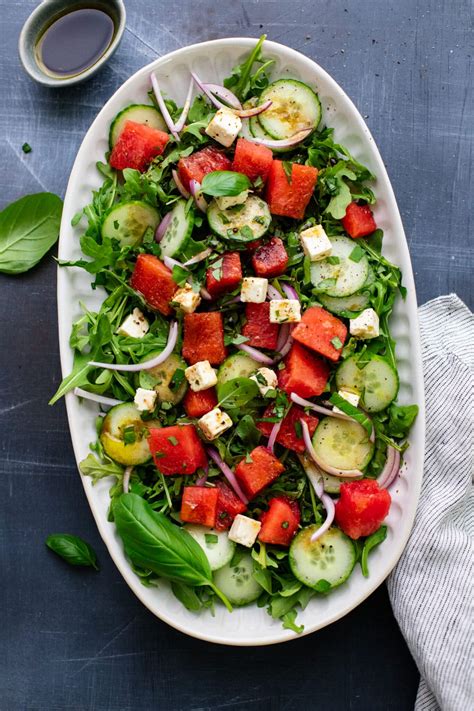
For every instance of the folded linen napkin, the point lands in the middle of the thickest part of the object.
(431, 588)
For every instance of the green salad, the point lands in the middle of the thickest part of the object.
(242, 357)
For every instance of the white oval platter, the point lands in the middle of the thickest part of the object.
(213, 60)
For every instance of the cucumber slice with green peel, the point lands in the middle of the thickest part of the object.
(253, 214)
(127, 222)
(238, 365)
(139, 113)
(217, 546)
(331, 558)
(377, 382)
(343, 444)
(169, 384)
(179, 229)
(343, 304)
(295, 106)
(237, 581)
(124, 435)
(341, 279)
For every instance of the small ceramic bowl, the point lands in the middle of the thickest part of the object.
(43, 16)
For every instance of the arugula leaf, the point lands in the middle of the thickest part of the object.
(72, 549)
(371, 542)
(97, 469)
(333, 181)
(187, 596)
(222, 183)
(237, 392)
(151, 541)
(28, 229)
(241, 82)
(289, 622)
(400, 419)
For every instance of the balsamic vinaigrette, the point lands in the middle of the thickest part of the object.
(74, 42)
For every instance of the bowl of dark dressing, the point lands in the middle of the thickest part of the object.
(63, 43)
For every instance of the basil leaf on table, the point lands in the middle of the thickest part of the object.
(28, 229)
(151, 541)
(72, 549)
(222, 183)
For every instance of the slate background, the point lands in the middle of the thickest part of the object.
(78, 640)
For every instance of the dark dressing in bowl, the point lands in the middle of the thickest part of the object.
(74, 42)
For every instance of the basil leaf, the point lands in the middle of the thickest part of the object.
(151, 541)
(237, 393)
(28, 229)
(72, 549)
(371, 542)
(222, 183)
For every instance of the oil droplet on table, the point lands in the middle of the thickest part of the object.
(74, 42)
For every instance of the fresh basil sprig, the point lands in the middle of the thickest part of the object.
(223, 183)
(28, 229)
(72, 549)
(151, 541)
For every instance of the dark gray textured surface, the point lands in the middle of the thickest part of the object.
(80, 640)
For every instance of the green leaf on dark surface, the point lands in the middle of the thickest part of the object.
(28, 229)
(152, 542)
(222, 183)
(72, 549)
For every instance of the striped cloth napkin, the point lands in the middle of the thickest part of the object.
(431, 588)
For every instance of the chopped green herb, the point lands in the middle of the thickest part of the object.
(336, 342)
(26, 148)
(129, 435)
(211, 539)
(333, 260)
(172, 440)
(356, 254)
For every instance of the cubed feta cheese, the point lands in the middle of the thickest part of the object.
(266, 380)
(224, 127)
(223, 203)
(365, 325)
(244, 530)
(201, 376)
(254, 290)
(145, 399)
(285, 311)
(134, 326)
(214, 423)
(316, 244)
(187, 299)
(351, 397)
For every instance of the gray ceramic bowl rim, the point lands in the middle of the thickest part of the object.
(26, 50)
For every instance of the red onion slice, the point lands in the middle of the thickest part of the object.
(391, 468)
(187, 105)
(255, 110)
(283, 334)
(218, 104)
(137, 367)
(290, 292)
(126, 479)
(198, 257)
(225, 94)
(205, 294)
(185, 193)
(170, 263)
(335, 471)
(273, 293)
(228, 473)
(284, 142)
(162, 227)
(199, 198)
(164, 111)
(202, 480)
(273, 435)
(317, 408)
(94, 397)
(327, 502)
(255, 354)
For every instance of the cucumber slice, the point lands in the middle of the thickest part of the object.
(122, 421)
(127, 222)
(342, 443)
(342, 304)
(160, 377)
(238, 365)
(237, 581)
(331, 557)
(254, 213)
(331, 484)
(295, 106)
(179, 229)
(344, 278)
(377, 382)
(139, 113)
(217, 546)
